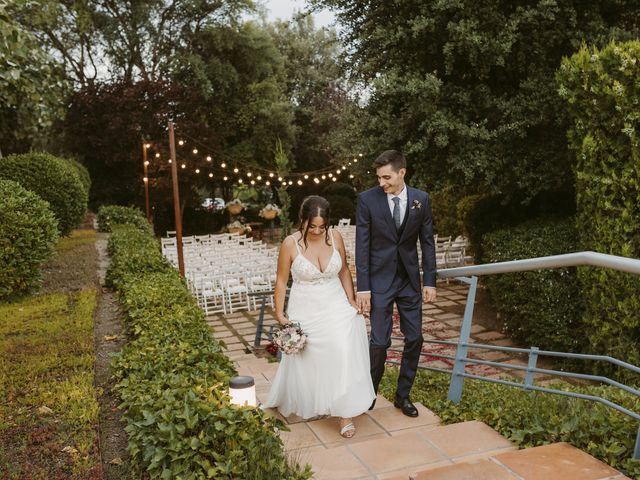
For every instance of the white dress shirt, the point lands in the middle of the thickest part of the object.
(403, 203)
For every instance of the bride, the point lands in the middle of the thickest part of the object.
(331, 375)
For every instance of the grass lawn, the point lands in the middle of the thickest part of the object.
(48, 406)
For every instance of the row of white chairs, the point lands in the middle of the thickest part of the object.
(225, 272)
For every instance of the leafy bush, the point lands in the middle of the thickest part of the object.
(541, 308)
(54, 180)
(173, 377)
(82, 172)
(531, 419)
(602, 92)
(110, 215)
(28, 235)
(445, 213)
(342, 199)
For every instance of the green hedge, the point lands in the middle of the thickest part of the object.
(173, 376)
(530, 419)
(541, 308)
(109, 215)
(54, 180)
(603, 93)
(28, 235)
(82, 172)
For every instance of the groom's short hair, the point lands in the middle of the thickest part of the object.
(391, 157)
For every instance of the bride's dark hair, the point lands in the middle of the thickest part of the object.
(314, 206)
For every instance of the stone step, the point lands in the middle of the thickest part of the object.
(389, 445)
(558, 460)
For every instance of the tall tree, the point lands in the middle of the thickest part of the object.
(467, 88)
(315, 86)
(31, 87)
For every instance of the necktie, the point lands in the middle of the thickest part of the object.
(396, 212)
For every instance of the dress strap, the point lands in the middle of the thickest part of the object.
(333, 243)
(297, 246)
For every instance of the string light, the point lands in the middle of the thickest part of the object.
(169, 160)
(316, 180)
(324, 177)
(290, 182)
(239, 180)
(279, 179)
(147, 145)
(306, 177)
(338, 172)
(157, 155)
(299, 182)
(249, 174)
(211, 175)
(235, 170)
(209, 158)
(197, 170)
(259, 177)
(223, 165)
(184, 166)
(146, 163)
(145, 179)
(330, 175)
(253, 182)
(225, 178)
(180, 142)
(267, 183)
(271, 174)
(195, 151)
(334, 179)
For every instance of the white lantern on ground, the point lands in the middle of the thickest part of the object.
(242, 390)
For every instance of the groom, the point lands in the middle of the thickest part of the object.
(389, 220)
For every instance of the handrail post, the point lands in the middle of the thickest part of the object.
(533, 360)
(457, 378)
(636, 451)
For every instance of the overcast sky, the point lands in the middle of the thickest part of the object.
(284, 9)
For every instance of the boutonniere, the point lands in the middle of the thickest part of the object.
(416, 205)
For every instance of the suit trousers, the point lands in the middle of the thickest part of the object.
(409, 303)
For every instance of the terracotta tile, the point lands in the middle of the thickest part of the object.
(559, 460)
(336, 463)
(391, 418)
(407, 473)
(357, 438)
(382, 402)
(328, 431)
(467, 438)
(400, 451)
(299, 436)
(477, 470)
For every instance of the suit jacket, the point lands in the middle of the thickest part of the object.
(379, 245)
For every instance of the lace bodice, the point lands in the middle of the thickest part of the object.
(305, 272)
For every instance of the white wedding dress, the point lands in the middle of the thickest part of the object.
(331, 375)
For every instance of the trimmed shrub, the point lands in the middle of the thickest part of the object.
(54, 180)
(445, 213)
(28, 235)
(110, 215)
(173, 378)
(541, 308)
(531, 419)
(603, 93)
(82, 172)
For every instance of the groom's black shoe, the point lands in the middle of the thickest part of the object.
(408, 408)
(373, 404)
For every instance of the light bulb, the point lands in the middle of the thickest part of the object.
(211, 175)
(249, 174)
(259, 177)
(267, 183)
(225, 178)
(180, 142)
(334, 179)
(147, 145)
(208, 158)
(271, 174)
(290, 182)
(253, 182)
(183, 166)
(197, 170)
(239, 180)
(223, 165)
(195, 151)
(145, 179)
(299, 182)
(306, 177)
(146, 163)
(235, 170)
(279, 179)
(169, 160)
(316, 180)
(157, 155)
(324, 177)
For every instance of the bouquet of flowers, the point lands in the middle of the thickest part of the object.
(290, 338)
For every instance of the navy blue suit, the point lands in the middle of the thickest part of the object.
(387, 266)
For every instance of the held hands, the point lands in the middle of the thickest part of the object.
(363, 303)
(428, 294)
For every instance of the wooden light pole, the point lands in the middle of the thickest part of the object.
(145, 162)
(176, 198)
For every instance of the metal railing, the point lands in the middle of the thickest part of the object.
(470, 275)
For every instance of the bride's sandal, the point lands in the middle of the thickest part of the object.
(348, 430)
